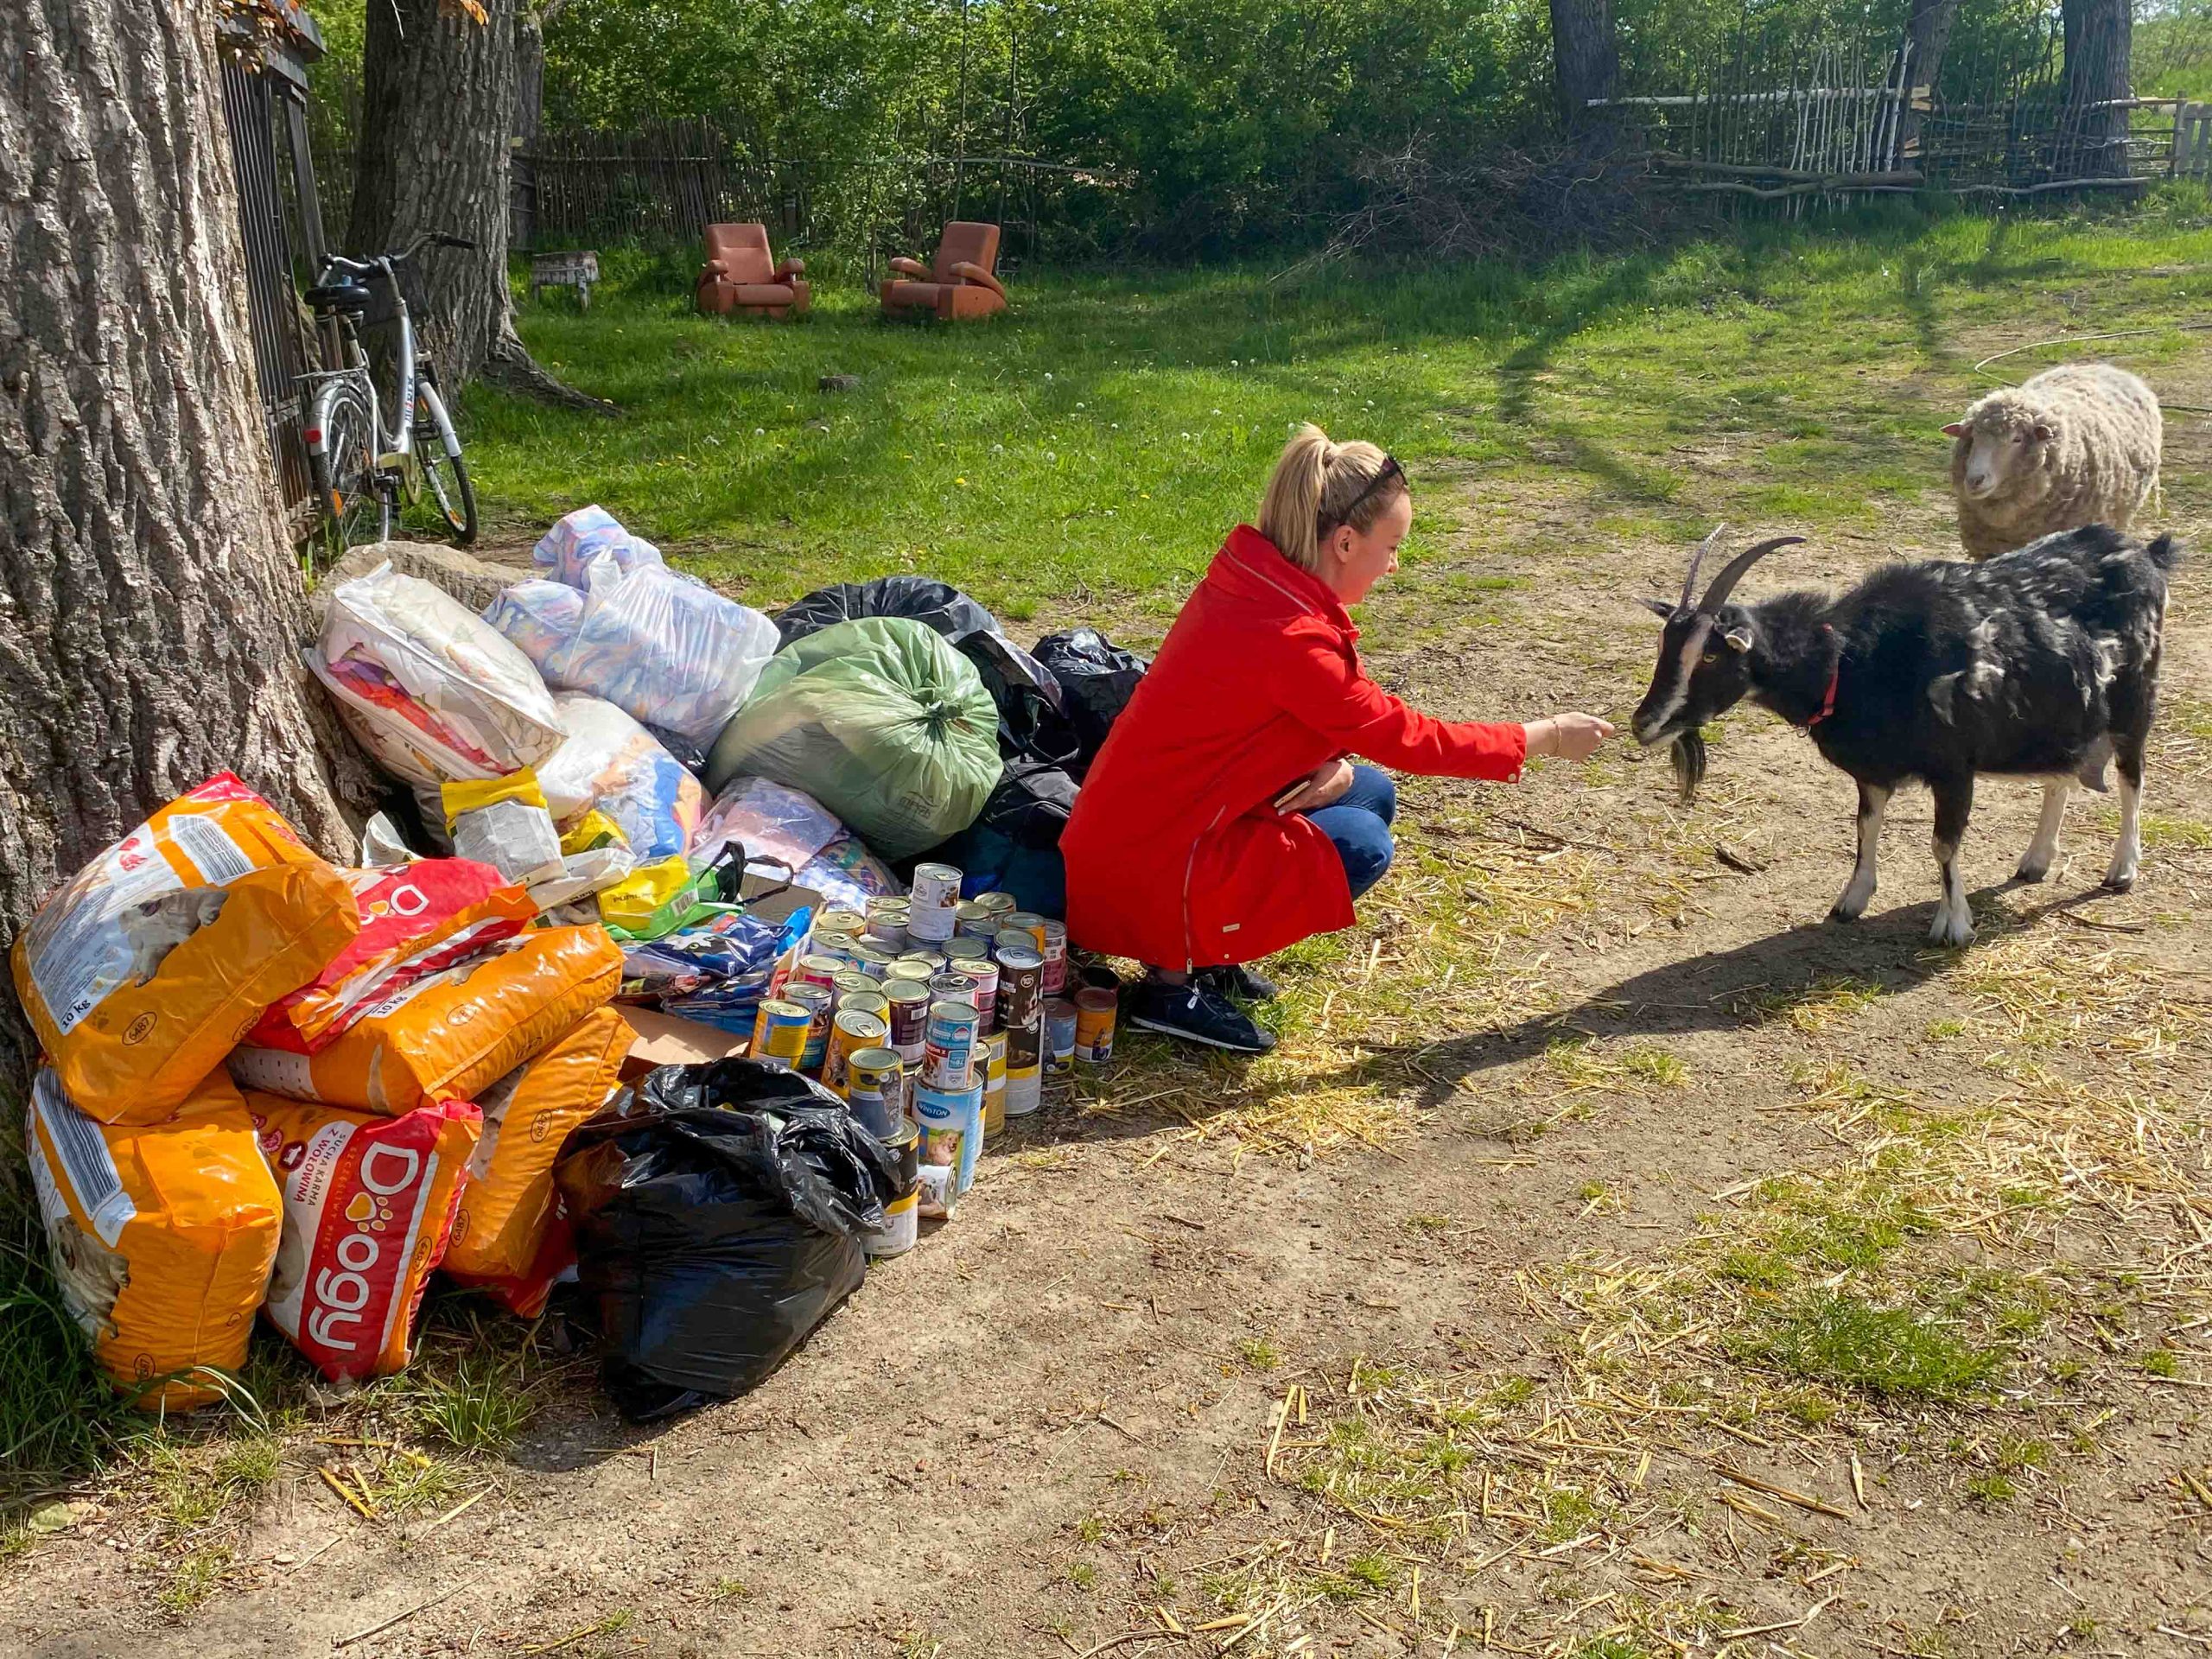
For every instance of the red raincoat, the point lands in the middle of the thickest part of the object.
(1175, 855)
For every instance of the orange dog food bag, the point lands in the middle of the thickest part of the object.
(451, 1034)
(369, 1206)
(161, 1235)
(144, 969)
(507, 1213)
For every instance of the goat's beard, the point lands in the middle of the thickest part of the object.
(1688, 756)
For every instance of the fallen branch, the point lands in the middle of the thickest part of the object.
(1788, 1494)
(401, 1619)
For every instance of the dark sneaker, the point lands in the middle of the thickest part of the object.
(1195, 1014)
(1240, 982)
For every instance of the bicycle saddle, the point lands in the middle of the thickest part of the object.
(338, 297)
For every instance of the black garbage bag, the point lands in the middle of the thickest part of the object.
(1096, 679)
(717, 1223)
(922, 599)
(1014, 844)
(1028, 700)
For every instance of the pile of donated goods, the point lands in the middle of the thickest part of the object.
(636, 830)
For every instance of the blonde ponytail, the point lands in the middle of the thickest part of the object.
(1313, 482)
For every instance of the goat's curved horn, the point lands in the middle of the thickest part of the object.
(1689, 582)
(1724, 583)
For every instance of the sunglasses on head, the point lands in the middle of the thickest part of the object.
(1388, 470)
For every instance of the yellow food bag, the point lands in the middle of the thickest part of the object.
(594, 829)
(141, 971)
(631, 903)
(161, 1235)
(453, 1033)
(476, 794)
(507, 1208)
(369, 1204)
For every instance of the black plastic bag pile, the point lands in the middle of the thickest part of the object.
(1055, 707)
(718, 1221)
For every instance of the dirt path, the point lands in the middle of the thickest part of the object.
(1171, 1386)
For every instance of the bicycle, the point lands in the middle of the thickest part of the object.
(362, 470)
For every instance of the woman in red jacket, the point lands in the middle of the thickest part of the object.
(1221, 821)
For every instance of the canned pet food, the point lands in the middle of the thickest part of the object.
(897, 1233)
(957, 987)
(971, 949)
(1023, 921)
(948, 1062)
(933, 1190)
(816, 970)
(872, 959)
(850, 982)
(910, 968)
(998, 903)
(1094, 1026)
(951, 1123)
(966, 916)
(849, 1034)
(1054, 950)
(907, 1002)
(1021, 1001)
(1059, 1035)
(930, 904)
(816, 1000)
(985, 974)
(875, 1088)
(780, 1030)
(840, 921)
(871, 1001)
(994, 1084)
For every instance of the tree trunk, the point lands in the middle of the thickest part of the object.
(1928, 33)
(437, 108)
(151, 613)
(530, 23)
(2093, 140)
(1587, 61)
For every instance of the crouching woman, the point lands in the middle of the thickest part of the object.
(1223, 820)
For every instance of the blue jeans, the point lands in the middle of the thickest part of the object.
(1358, 823)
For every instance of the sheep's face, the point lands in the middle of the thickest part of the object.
(2001, 451)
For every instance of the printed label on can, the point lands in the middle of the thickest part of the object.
(901, 1227)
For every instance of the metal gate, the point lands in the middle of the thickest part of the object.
(264, 107)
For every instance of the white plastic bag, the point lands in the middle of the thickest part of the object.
(434, 693)
(667, 648)
(771, 821)
(538, 616)
(590, 549)
(613, 764)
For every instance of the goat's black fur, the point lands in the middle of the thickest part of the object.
(2040, 662)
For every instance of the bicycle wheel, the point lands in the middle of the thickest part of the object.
(443, 470)
(356, 507)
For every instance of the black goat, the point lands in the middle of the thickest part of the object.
(2043, 662)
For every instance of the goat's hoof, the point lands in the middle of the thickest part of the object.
(2031, 874)
(1839, 913)
(1950, 930)
(2119, 880)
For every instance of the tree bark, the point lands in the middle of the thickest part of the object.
(151, 613)
(1587, 64)
(1928, 33)
(437, 109)
(531, 22)
(2099, 38)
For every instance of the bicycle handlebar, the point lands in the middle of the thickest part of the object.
(339, 262)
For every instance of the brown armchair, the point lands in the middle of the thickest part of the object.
(742, 275)
(957, 283)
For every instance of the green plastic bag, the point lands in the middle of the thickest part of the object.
(881, 721)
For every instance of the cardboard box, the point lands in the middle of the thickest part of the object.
(664, 1040)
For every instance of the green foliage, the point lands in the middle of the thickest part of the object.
(1852, 1343)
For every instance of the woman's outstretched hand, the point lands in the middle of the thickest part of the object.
(1571, 737)
(1325, 787)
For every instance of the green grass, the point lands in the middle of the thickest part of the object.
(1893, 1352)
(479, 1408)
(1096, 443)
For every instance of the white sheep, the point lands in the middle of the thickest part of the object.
(2076, 445)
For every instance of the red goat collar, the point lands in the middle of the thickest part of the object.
(1827, 702)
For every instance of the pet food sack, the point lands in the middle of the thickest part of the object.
(614, 767)
(431, 691)
(162, 1237)
(369, 1204)
(141, 971)
(507, 1212)
(879, 720)
(451, 1033)
(416, 920)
